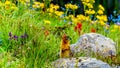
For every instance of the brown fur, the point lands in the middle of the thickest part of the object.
(65, 47)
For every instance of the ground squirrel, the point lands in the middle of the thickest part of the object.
(65, 47)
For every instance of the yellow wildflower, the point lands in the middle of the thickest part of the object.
(104, 17)
(116, 26)
(81, 17)
(88, 1)
(84, 3)
(71, 16)
(85, 0)
(102, 23)
(58, 13)
(98, 17)
(87, 18)
(71, 6)
(51, 5)
(47, 22)
(22, 1)
(100, 11)
(75, 20)
(67, 5)
(7, 2)
(74, 7)
(101, 7)
(90, 5)
(38, 5)
(42, 5)
(50, 10)
(54, 7)
(90, 11)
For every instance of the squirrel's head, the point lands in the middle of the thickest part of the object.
(65, 38)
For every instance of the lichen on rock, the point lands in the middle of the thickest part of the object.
(93, 42)
(81, 62)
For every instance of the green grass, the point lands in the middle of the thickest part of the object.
(38, 50)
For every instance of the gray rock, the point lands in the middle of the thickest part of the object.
(81, 62)
(96, 43)
(115, 66)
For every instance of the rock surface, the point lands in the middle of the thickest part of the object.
(93, 42)
(81, 62)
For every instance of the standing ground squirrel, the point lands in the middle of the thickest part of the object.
(65, 47)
